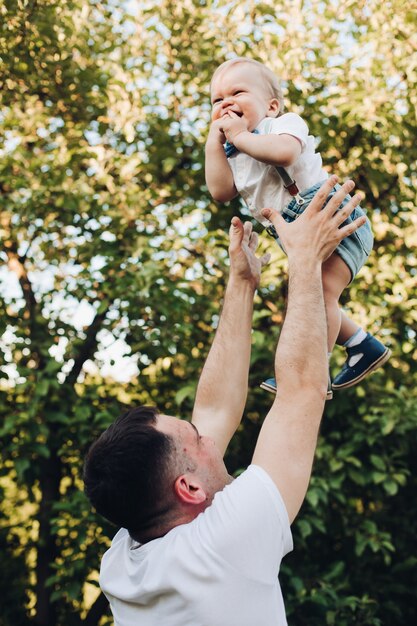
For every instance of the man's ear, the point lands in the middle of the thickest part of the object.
(189, 490)
(273, 108)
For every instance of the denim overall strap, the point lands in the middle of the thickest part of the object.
(290, 184)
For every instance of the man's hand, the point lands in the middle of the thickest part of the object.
(244, 263)
(316, 233)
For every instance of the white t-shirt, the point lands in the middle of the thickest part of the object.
(259, 184)
(221, 569)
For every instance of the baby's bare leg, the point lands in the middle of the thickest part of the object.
(347, 329)
(336, 277)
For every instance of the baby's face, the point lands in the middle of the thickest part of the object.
(242, 88)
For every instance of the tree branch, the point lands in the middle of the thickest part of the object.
(88, 347)
(16, 266)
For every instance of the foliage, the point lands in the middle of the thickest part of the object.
(113, 254)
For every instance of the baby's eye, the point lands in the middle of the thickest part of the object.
(238, 92)
(216, 101)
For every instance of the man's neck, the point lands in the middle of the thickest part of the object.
(144, 536)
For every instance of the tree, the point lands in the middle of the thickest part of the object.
(109, 235)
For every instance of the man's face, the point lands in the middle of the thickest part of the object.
(241, 88)
(205, 459)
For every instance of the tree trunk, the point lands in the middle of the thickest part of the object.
(50, 478)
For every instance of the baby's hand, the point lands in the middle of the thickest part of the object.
(216, 132)
(232, 125)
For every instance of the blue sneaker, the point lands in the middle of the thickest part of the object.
(374, 354)
(271, 386)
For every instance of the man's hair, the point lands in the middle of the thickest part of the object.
(127, 471)
(268, 75)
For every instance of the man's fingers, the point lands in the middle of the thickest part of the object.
(267, 213)
(343, 213)
(253, 241)
(241, 232)
(337, 198)
(273, 216)
(235, 232)
(247, 231)
(322, 194)
(265, 259)
(236, 224)
(350, 228)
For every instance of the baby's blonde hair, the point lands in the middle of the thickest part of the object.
(270, 79)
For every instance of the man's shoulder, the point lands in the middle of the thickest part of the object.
(248, 511)
(254, 485)
(254, 473)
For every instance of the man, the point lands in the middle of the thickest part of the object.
(203, 549)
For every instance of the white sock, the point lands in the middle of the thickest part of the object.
(355, 340)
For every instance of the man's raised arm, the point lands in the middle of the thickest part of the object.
(287, 441)
(223, 386)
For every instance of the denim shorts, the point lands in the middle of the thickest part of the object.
(354, 249)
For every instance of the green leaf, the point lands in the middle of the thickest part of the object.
(21, 466)
(391, 487)
(42, 387)
(378, 462)
(185, 392)
(305, 528)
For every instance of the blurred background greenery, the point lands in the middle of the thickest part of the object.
(113, 267)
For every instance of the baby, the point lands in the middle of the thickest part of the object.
(249, 138)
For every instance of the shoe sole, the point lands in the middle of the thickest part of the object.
(267, 387)
(271, 389)
(381, 361)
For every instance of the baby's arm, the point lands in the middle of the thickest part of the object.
(273, 149)
(219, 177)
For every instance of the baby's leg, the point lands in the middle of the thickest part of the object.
(348, 328)
(364, 352)
(336, 277)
